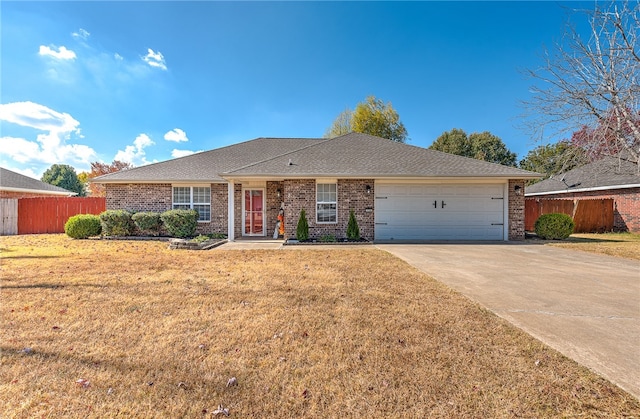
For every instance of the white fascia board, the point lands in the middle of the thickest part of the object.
(37, 191)
(164, 181)
(597, 188)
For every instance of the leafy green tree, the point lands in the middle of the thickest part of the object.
(479, 145)
(552, 159)
(488, 147)
(372, 116)
(453, 142)
(63, 176)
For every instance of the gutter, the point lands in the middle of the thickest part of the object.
(596, 188)
(38, 191)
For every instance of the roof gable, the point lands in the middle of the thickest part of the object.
(357, 154)
(12, 181)
(603, 173)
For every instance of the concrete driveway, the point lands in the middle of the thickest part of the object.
(586, 306)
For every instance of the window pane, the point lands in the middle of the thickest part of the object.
(326, 213)
(181, 206)
(326, 192)
(201, 195)
(204, 212)
(181, 195)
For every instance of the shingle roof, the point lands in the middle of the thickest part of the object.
(358, 154)
(10, 180)
(208, 165)
(609, 171)
(349, 155)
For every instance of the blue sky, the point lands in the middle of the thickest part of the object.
(148, 81)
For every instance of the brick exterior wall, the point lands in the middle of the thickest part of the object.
(301, 194)
(626, 205)
(516, 210)
(157, 197)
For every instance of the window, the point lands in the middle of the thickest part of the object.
(193, 197)
(326, 203)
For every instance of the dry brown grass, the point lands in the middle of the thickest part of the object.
(625, 245)
(307, 333)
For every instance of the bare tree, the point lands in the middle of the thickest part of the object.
(593, 84)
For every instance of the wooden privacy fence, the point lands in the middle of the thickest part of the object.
(589, 215)
(48, 215)
(8, 216)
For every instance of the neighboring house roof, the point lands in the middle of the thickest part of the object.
(15, 182)
(350, 155)
(604, 174)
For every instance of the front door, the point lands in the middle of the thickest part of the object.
(253, 210)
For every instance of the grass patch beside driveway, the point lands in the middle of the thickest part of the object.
(626, 245)
(324, 333)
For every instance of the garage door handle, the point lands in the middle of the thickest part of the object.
(497, 224)
(435, 204)
(443, 204)
(381, 224)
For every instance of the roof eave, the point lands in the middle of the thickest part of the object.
(592, 189)
(37, 191)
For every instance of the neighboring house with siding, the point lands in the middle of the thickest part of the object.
(398, 192)
(15, 185)
(609, 177)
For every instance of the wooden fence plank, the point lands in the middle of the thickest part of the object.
(49, 215)
(8, 216)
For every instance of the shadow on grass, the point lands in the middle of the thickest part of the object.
(50, 286)
(30, 257)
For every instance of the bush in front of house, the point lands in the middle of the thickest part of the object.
(353, 231)
(554, 226)
(117, 223)
(148, 223)
(302, 230)
(180, 223)
(83, 226)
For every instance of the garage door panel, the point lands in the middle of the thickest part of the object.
(470, 212)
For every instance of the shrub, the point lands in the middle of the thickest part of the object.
(353, 231)
(180, 223)
(82, 226)
(117, 223)
(147, 222)
(302, 230)
(328, 238)
(554, 226)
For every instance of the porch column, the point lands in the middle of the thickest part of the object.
(230, 210)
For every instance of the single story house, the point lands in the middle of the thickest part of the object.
(397, 191)
(15, 185)
(609, 177)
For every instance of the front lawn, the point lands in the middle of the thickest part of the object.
(626, 245)
(97, 328)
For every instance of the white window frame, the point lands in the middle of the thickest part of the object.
(191, 202)
(326, 202)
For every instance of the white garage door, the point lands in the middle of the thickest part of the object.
(439, 212)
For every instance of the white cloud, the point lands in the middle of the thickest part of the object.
(177, 135)
(135, 153)
(118, 57)
(155, 59)
(175, 153)
(59, 53)
(81, 34)
(49, 147)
